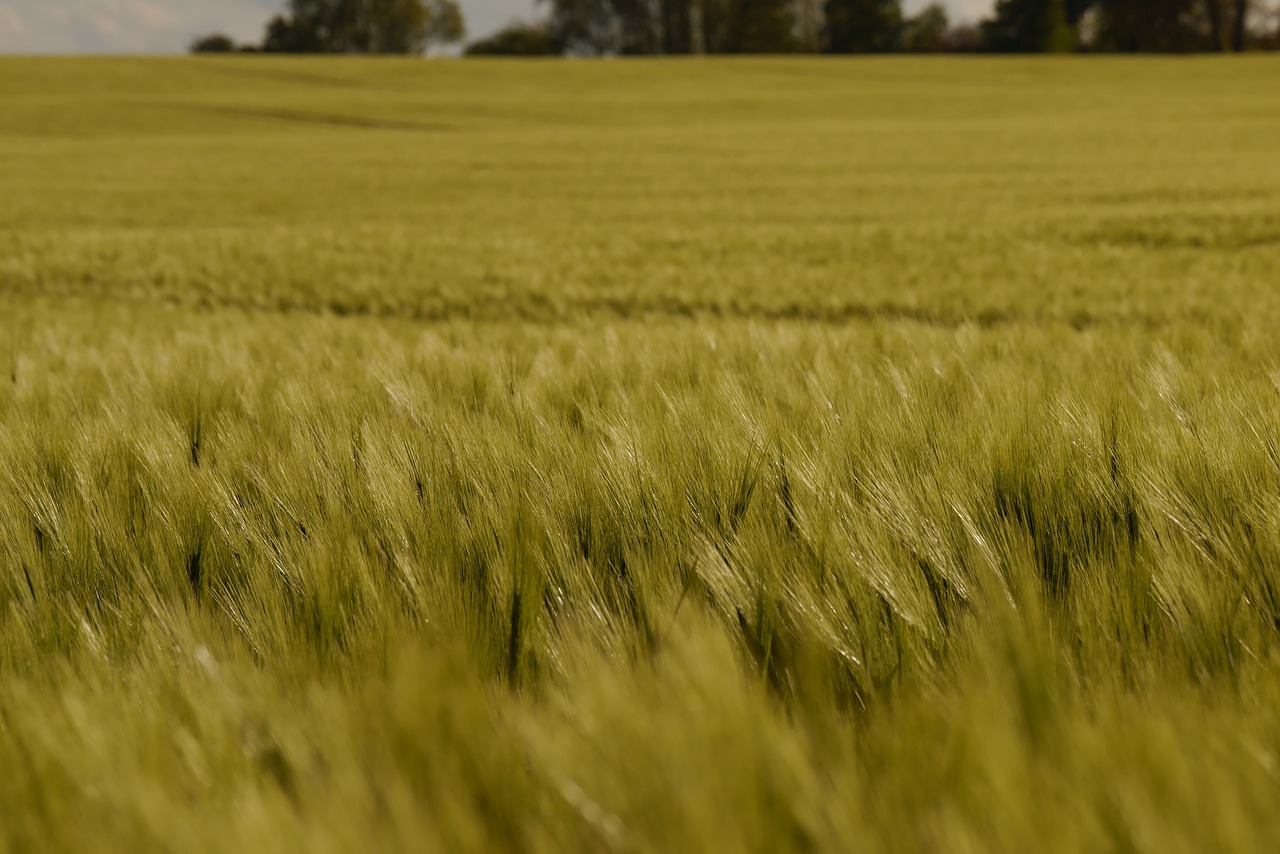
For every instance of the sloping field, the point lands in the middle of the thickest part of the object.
(741, 455)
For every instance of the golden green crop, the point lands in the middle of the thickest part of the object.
(732, 455)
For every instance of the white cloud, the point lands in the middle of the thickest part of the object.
(153, 14)
(11, 23)
(125, 26)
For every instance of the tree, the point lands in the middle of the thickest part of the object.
(645, 27)
(1265, 33)
(1028, 26)
(1213, 15)
(284, 35)
(1239, 25)
(963, 38)
(809, 25)
(1075, 11)
(1226, 23)
(586, 27)
(445, 24)
(364, 26)
(1161, 26)
(1174, 26)
(762, 26)
(516, 39)
(927, 31)
(863, 26)
(215, 43)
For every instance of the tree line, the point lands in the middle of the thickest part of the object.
(680, 27)
(351, 26)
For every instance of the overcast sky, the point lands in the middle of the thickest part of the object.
(167, 26)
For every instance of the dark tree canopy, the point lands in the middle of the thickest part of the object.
(215, 43)
(364, 26)
(1174, 26)
(927, 31)
(517, 39)
(1166, 26)
(762, 26)
(658, 27)
(653, 27)
(1029, 26)
(863, 26)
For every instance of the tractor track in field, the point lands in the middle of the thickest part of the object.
(539, 310)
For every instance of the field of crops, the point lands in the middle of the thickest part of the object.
(743, 455)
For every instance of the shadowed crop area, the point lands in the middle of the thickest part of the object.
(730, 455)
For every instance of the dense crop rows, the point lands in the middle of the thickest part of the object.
(697, 456)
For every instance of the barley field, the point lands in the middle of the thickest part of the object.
(734, 455)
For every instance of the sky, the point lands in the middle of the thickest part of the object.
(168, 26)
